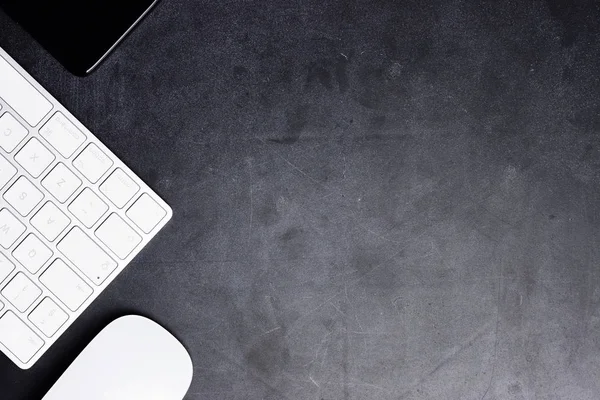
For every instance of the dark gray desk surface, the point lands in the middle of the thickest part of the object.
(375, 200)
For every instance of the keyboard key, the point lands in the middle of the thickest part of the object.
(66, 285)
(17, 337)
(7, 171)
(10, 228)
(92, 163)
(11, 132)
(23, 196)
(146, 213)
(21, 292)
(88, 207)
(32, 253)
(119, 188)
(34, 157)
(48, 317)
(86, 255)
(50, 221)
(118, 236)
(61, 182)
(6, 267)
(21, 95)
(62, 135)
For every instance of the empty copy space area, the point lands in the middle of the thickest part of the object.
(371, 200)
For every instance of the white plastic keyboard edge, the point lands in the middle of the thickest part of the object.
(34, 132)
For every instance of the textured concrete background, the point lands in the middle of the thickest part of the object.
(373, 199)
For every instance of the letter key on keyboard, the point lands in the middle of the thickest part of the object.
(11, 132)
(32, 253)
(34, 157)
(50, 221)
(61, 182)
(10, 228)
(23, 195)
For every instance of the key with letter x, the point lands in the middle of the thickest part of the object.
(34, 157)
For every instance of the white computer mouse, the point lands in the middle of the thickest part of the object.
(132, 358)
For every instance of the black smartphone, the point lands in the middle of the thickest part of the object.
(78, 33)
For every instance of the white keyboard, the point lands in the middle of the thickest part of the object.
(72, 216)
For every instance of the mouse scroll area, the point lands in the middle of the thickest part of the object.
(132, 358)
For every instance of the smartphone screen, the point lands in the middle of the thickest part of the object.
(79, 33)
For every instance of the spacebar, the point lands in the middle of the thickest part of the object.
(21, 96)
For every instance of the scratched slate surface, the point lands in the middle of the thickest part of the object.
(373, 199)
